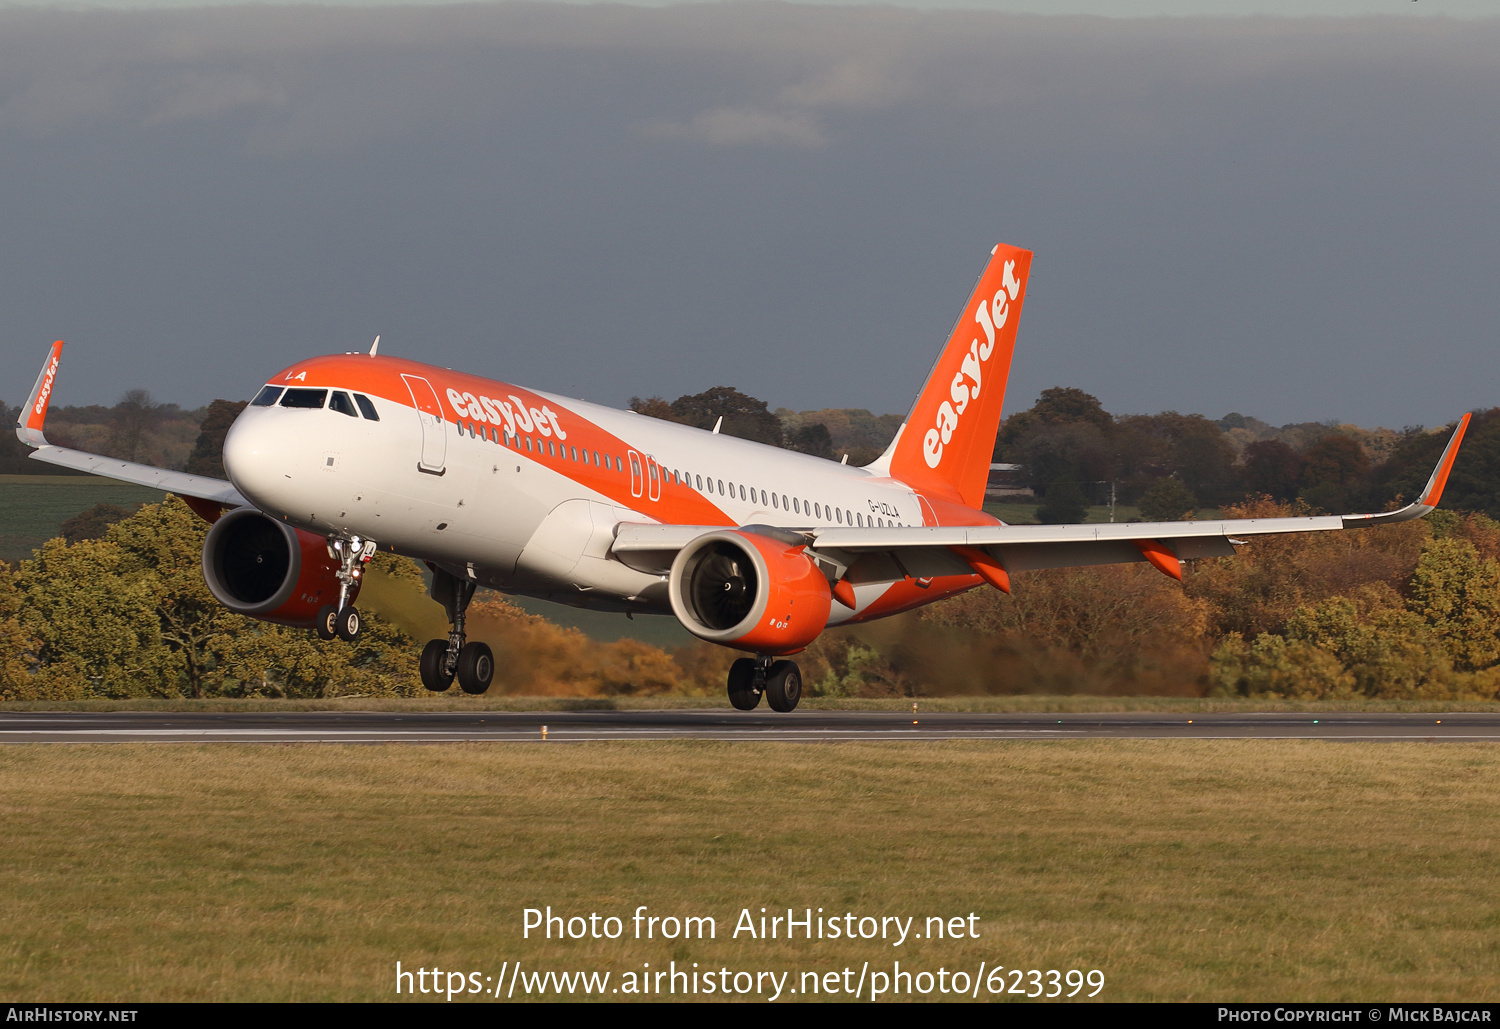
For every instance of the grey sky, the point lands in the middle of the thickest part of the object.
(1293, 218)
(1098, 8)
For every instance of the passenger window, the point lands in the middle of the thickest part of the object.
(573, 453)
(266, 397)
(550, 451)
(312, 399)
(861, 519)
(699, 480)
(841, 516)
(653, 472)
(796, 507)
(784, 505)
(528, 444)
(366, 408)
(773, 500)
(721, 486)
(762, 498)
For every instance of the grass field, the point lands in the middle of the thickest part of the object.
(1184, 870)
(33, 507)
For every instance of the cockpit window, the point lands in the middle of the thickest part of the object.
(366, 408)
(310, 398)
(341, 404)
(266, 397)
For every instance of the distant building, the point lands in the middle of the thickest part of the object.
(1005, 481)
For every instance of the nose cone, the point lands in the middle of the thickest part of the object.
(261, 455)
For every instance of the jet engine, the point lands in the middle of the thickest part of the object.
(255, 565)
(751, 591)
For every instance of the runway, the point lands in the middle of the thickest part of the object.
(720, 724)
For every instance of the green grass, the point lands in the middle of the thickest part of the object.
(1184, 871)
(33, 507)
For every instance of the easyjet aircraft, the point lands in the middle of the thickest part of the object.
(749, 546)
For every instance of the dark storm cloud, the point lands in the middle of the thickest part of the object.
(1295, 219)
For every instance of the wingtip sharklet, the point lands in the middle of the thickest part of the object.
(30, 422)
(1431, 493)
(1434, 491)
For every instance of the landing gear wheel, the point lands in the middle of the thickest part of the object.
(347, 625)
(435, 675)
(476, 667)
(784, 686)
(742, 693)
(327, 624)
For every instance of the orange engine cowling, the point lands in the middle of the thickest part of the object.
(255, 565)
(750, 591)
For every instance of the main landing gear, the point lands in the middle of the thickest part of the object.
(779, 681)
(342, 619)
(444, 660)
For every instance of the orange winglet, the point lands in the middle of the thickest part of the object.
(844, 593)
(1434, 491)
(986, 567)
(1162, 559)
(30, 424)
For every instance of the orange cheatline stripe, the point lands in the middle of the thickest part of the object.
(381, 377)
(1441, 479)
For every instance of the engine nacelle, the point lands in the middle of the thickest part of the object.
(255, 565)
(749, 591)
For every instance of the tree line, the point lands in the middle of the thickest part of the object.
(1073, 453)
(1409, 611)
(137, 428)
(116, 606)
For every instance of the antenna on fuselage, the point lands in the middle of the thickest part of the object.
(375, 346)
(717, 424)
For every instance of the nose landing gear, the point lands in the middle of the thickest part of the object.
(473, 664)
(342, 619)
(779, 681)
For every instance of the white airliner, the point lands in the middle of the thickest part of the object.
(749, 546)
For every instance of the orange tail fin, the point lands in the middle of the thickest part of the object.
(946, 445)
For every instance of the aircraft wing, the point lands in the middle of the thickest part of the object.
(29, 429)
(994, 550)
